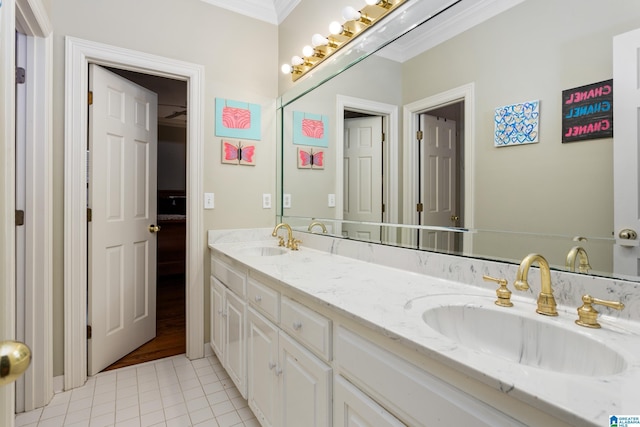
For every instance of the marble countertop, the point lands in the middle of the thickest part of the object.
(392, 301)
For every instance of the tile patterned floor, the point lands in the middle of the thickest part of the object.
(171, 392)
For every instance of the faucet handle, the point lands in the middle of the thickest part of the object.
(588, 316)
(503, 293)
(281, 241)
(293, 244)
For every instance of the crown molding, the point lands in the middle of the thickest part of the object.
(271, 11)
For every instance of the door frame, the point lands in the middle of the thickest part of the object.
(32, 19)
(78, 54)
(389, 113)
(412, 112)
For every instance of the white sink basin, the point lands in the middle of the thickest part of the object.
(543, 343)
(263, 251)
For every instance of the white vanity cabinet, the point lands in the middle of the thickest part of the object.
(228, 322)
(352, 408)
(288, 385)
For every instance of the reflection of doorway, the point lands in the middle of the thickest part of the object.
(461, 99)
(171, 217)
(387, 114)
(362, 169)
(440, 165)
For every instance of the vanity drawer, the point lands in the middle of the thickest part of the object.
(232, 278)
(308, 327)
(264, 299)
(410, 393)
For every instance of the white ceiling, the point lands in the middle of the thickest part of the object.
(272, 11)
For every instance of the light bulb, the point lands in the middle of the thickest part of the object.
(335, 28)
(308, 51)
(296, 60)
(350, 14)
(319, 40)
(286, 68)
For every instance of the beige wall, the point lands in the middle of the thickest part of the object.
(534, 51)
(240, 59)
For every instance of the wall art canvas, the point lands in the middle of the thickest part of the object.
(309, 158)
(235, 119)
(238, 153)
(517, 124)
(310, 129)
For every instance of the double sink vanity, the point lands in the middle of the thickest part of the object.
(345, 333)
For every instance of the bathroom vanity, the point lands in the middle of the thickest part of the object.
(346, 333)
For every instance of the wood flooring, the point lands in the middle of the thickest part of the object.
(170, 337)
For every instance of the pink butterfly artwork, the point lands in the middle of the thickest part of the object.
(310, 159)
(238, 154)
(312, 128)
(236, 118)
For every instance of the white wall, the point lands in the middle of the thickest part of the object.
(240, 59)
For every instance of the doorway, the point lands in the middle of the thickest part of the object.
(463, 99)
(171, 218)
(78, 54)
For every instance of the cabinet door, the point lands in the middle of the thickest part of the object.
(235, 356)
(262, 356)
(217, 317)
(305, 386)
(352, 408)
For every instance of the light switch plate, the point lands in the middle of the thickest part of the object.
(266, 201)
(286, 201)
(208, 201)
(331, 200)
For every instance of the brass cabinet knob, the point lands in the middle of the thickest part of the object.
(154, 228)
(15, 358)
(588, 316)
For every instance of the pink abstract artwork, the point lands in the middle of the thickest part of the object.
(312, 128)
(236, 118)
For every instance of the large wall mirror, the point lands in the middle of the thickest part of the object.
(437, 180)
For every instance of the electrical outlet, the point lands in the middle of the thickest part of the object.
(331, 200)
(208, 201)
(286, 201)
(266, 201)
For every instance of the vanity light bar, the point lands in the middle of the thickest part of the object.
(356, 22)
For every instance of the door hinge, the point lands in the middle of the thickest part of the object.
(90, 98)
(19, 218)
(419, 207)
(384, 137)
(88, 332)
(384, 208)
(89, 214)
(419, 135)
(21, 75)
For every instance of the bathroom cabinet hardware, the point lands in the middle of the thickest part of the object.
(258, 298)
(546, 300)
(588, 316)
(278, 371)
(272, 365)
(297, 325)
(503, 293)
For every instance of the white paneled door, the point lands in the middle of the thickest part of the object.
(363, 176)
(439, 175)
(122, 198)
(626, 182)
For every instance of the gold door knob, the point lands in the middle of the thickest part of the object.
(154, 228)
(628, 234)
(15, 358)
(454, 218)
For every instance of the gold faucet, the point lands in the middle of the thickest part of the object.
(584, 266)
(546, 301)
(291, 242)
(318, 223)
